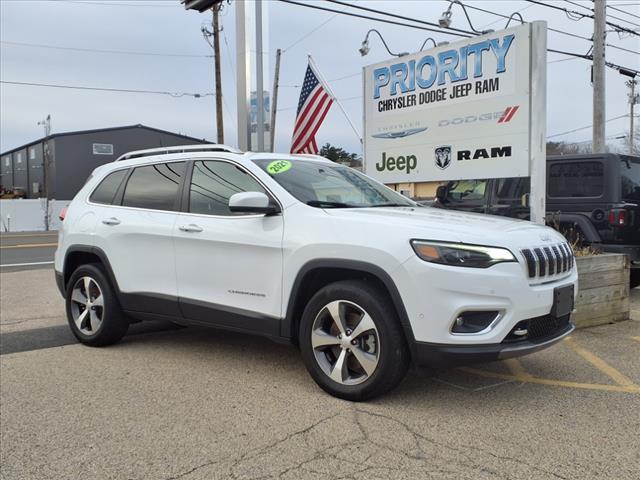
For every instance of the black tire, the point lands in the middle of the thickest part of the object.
(113, 324)
(634, 281)
(390, 346)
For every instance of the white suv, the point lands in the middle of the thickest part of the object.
(303, 250)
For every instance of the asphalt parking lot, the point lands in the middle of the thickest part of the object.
(192, 403)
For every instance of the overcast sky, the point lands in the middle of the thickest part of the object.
(164, 27)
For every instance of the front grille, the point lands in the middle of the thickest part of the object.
(537, 328)
(548, 261)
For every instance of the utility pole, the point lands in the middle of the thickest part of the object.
(259, 76)
(274, 101)
(633, 99)
(46, 123)
(598, 74)
(216, 60)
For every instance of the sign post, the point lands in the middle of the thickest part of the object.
(473, 109)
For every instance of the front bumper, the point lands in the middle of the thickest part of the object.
(437, 355)
(434, 296)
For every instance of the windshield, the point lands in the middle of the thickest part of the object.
(630, 177)
(327, 185)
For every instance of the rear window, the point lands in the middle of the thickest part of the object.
(630, 178)
(106, 191)
(576, 179)
(154, 186)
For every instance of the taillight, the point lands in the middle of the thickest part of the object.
(618, 218)
(63, 213)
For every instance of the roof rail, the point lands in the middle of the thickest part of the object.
(213, 147)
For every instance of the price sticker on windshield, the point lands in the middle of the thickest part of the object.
(279, 166)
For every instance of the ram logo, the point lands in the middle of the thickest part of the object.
(443, 156)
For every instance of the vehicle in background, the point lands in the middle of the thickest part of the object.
(593, 199)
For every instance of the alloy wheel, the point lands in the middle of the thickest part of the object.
(345, 342)
(87, 305)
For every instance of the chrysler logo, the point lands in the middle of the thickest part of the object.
(400, 133)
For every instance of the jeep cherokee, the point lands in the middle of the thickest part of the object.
(303, 250)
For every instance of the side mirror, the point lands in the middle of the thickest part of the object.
(252, 202)
(524, 200)
(441, 193)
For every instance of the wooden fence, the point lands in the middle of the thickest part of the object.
(603, 290)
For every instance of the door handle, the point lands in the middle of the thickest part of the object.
(190, 228)
(111, 221)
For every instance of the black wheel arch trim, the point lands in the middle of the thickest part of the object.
(97, 251)
(143, 302)
(289, 323)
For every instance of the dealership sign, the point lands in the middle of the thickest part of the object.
(467, 110)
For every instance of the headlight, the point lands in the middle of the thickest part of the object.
(461, 254)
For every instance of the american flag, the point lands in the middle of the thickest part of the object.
(315, 101)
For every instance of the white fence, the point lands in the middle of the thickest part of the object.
(19, 215)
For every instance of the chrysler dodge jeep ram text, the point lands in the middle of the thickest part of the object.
(301, 249)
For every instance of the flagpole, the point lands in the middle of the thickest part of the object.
(326, 84)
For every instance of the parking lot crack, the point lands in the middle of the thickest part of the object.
(418, 435)
(194, 469)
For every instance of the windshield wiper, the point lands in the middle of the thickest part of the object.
(390, 205)
(326, 203)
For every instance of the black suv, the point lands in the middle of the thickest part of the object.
(594, 198)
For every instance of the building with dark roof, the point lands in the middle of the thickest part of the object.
(72, 156)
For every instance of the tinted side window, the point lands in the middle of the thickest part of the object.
(630, 178)
(467, 190)
(213, 183)
(108, 187)
(154, 186)
(578, 179)
(513, 188)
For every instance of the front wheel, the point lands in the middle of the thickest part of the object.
(351, 341)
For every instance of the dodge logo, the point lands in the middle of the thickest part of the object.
(443, 156)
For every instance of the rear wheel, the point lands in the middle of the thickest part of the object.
(93, 312)
(351, 341)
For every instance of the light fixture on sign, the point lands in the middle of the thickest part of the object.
(364, 48)
(445, 19)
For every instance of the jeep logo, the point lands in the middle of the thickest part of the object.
(493, 152)
(401, 162)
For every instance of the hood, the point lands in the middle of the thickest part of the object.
(453, 226)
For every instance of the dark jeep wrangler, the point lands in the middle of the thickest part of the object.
(594, 198)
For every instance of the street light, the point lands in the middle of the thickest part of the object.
(364, 48)
(445, 18)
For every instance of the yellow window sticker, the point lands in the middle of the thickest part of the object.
(279, 166)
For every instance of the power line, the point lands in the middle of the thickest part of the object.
(562, 32)
(623, 20)
(583, 15)
(579, 5)
(585, 128)
(568, 34)
(401, 17)
(316, 7)
(95, 50)
(117, 4)
(346, 99)
(503, 16)
(122, 90)
(623, 11)
(622, 48)
(357, 15)
(310, 32)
